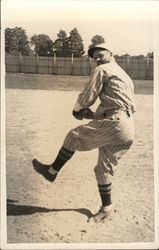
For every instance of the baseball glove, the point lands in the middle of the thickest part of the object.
(83, 113)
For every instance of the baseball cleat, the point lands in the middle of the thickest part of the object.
(101, 215)
(43, 170)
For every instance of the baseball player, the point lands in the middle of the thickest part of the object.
(111, 128)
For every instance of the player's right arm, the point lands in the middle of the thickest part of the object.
(91, 91)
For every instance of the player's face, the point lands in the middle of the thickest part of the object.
(102, 56)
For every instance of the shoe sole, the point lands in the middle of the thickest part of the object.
(43, 170)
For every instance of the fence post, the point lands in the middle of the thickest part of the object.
(147, 67)
(147, 61)
(54, 64)
(37, 59)
(20, 62)
(72, 64)
(48, 64)
(127, 63)
(127, 60)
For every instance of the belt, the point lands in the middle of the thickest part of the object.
(113, 111)
(107, 113)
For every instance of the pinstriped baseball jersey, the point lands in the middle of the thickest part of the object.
(113, 86)
(114, 134)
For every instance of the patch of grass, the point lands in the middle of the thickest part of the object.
(63, 82)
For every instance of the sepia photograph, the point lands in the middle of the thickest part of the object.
(79, 122)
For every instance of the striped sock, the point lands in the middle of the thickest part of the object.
(63, 156)
(105, 194)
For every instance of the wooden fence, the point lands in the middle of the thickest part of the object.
(136, 68)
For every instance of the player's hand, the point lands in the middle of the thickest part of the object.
(83, 113)
(77, 115)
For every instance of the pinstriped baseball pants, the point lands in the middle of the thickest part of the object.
(113, 136)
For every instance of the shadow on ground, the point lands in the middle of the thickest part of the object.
(14, 209)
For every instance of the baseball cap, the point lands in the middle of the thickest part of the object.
(103, 46)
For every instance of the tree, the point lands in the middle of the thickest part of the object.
(97, 39)
(125, 56)
(138, 57)
(43, 45)
(150, 55)
(60, 44)
(74, 44)
(16, 41)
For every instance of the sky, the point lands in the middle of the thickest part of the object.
(128, 26)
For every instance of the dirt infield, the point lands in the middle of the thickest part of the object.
(40, 212)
